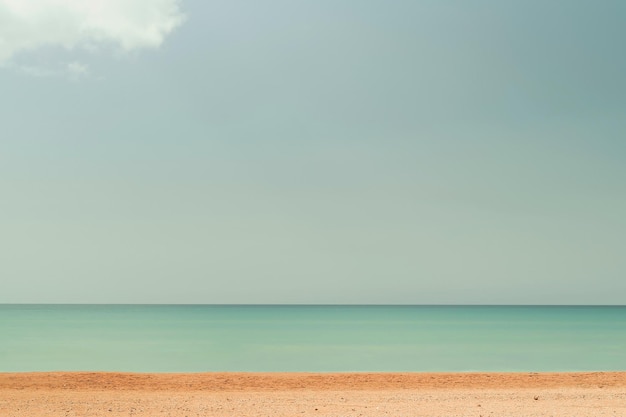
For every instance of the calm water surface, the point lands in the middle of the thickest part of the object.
(175, 338)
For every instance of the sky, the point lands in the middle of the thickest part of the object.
(353, 151)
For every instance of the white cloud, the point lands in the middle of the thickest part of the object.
(77, 70)
(71, 70)
(26, 25)
(37, 71)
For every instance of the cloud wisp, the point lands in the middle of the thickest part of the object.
(28, 25)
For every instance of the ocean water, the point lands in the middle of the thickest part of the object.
(198, 338)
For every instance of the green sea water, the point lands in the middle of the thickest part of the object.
(198, 338)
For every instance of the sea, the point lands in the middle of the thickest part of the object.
(311, 338)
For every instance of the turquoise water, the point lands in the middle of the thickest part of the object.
(175, 338)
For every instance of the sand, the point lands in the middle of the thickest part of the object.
(239, 394)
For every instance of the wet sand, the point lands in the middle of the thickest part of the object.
(87, 394)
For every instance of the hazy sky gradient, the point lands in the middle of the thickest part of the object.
(321, 152)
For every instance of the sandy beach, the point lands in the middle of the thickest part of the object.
(88, 394)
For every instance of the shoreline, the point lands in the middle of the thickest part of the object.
(113, 394)
(272, 381)
(250, 381)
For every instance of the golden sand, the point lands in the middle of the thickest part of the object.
(87, 394)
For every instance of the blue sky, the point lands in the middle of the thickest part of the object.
(313, 152)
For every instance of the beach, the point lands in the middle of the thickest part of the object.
(87, 394)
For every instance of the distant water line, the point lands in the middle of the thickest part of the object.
(268, 338)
